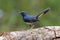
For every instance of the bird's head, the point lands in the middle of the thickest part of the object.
(23, 13)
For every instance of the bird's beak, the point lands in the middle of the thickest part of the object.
(21, 12)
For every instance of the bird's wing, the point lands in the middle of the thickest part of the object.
(43, 12)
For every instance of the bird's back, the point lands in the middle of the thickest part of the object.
(29, 19)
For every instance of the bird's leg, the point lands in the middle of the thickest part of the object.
(32, 26)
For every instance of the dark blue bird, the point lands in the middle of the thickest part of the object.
(32, 19)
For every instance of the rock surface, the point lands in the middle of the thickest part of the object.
(43, 33)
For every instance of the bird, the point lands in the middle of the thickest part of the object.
(32, 19)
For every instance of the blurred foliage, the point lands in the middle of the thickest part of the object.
(11, 20)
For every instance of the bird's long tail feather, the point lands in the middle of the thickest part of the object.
(43, 12)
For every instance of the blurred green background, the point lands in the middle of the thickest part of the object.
(11, 20)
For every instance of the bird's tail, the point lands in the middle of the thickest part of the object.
(43, 12)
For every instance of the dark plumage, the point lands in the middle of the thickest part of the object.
(32, 19)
